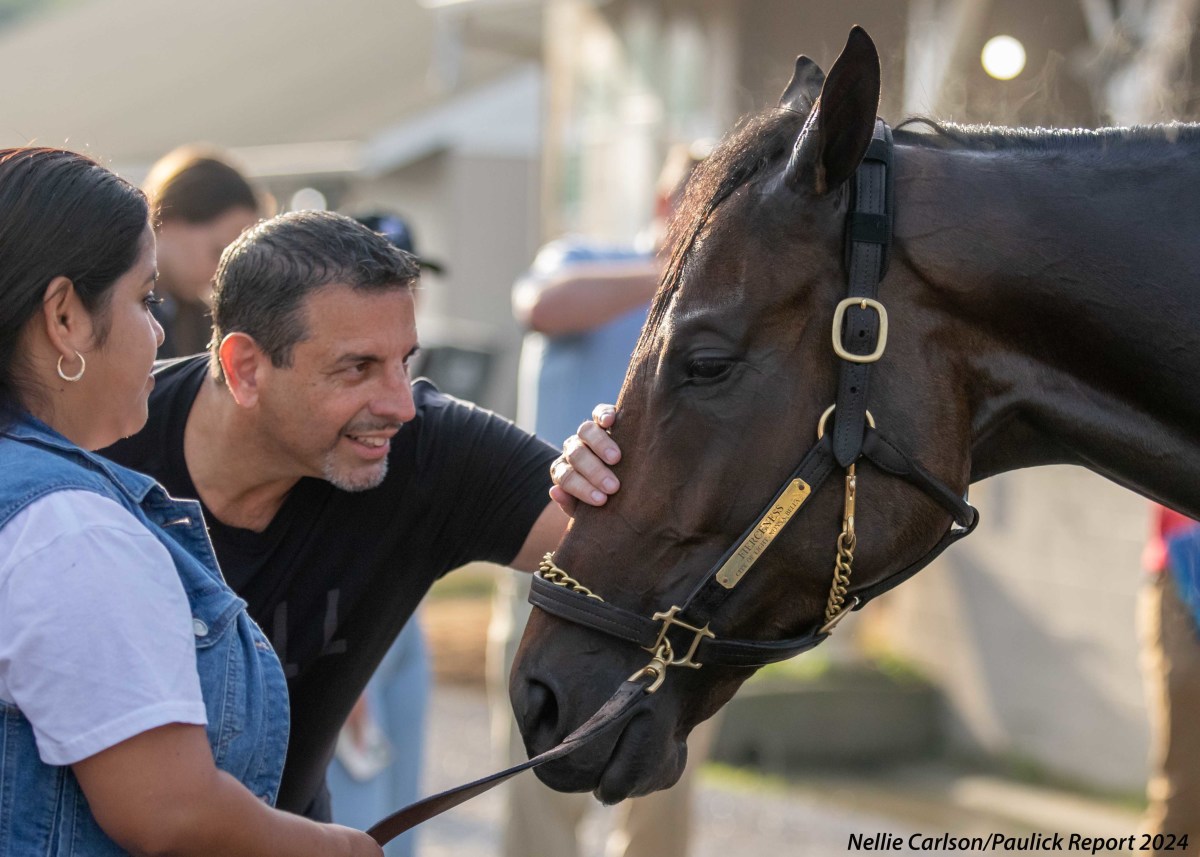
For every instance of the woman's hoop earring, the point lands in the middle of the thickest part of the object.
(77, 375)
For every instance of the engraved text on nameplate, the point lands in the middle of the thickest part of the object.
(764, 533)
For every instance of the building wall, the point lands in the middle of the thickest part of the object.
(627, 80)
(494, 238)
(1028, 626)
(1051, 91)
(772, 32)
(477, 214)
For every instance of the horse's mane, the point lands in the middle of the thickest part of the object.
(994, 138)
(757, 141)
(761, 139)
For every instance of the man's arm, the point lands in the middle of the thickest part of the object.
(545, 534)
(584, 296)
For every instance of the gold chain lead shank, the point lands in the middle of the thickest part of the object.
(843, 565)
(553, 574)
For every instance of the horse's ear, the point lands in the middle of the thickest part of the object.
(804, 87)
(835, 137)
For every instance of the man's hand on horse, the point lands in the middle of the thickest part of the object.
(582, 471)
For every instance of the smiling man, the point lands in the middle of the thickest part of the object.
(336, 491)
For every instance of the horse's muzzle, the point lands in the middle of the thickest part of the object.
(630, 761)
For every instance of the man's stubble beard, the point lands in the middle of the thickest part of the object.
(352, 482)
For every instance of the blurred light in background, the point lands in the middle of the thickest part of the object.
(1003, 57)
(308, 199)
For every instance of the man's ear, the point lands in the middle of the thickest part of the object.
(243, 362)
(68, 325)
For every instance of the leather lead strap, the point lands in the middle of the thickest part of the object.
(619, 706)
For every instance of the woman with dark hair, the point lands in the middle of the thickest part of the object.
(141, 710)
(199, 203)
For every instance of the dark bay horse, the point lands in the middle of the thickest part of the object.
(1043, 308)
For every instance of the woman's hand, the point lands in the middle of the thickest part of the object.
(353, 843)
(582, 472)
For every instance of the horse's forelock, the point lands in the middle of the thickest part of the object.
(756, 142)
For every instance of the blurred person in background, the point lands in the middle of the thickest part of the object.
(142, 710)
(380, 750)
(199, 203)
(1168, 623)
(584, 303)
(336, 489)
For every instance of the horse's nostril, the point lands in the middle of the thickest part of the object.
(541, 714)
(537, 710)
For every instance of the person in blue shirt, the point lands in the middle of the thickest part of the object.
(584, 302)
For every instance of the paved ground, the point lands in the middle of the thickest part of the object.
(746, 821)
(751, 816)
(739, 815)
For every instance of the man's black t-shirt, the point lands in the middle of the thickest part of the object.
(336, 574)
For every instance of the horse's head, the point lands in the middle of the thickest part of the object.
(732, 374)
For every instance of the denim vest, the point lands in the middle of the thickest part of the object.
(42, 809)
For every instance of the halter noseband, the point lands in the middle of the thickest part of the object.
(859, 334)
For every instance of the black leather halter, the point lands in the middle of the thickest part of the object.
(859, 321)
(859, 334)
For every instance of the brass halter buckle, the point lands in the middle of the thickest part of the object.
(839, 315)
(668, 619)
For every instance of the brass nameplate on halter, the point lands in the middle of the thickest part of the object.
(764, 533)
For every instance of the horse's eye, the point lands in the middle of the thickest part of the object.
(708, 368)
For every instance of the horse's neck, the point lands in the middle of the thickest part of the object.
(1073, 278)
